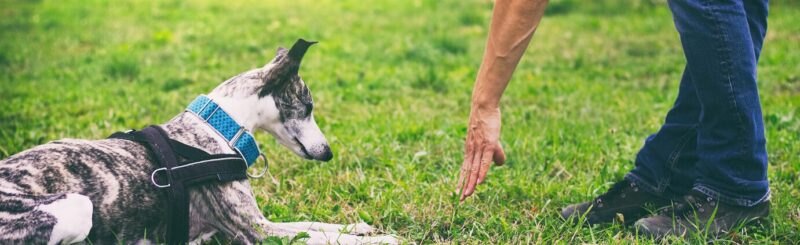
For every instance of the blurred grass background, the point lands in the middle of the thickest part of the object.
(392, 82)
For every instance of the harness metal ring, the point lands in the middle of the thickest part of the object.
(153, 178)
(264, 171)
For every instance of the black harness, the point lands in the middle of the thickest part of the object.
(180, 166)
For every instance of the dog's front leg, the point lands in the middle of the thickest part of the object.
(352, 229)
(230, 209)
(323, 233)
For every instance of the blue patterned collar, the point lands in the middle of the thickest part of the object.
(236, 135)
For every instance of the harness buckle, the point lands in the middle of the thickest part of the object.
(204, 107)
(235, 139)
(153, 178)
(211, 114)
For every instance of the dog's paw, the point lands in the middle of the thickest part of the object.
(359, 229)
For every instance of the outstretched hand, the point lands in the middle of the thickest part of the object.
(513, 25)
(482, 147)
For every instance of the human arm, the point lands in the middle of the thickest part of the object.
(513, 25)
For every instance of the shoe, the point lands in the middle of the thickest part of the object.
(624, 202)
(693, 213)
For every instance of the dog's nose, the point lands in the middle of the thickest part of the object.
(326, 155)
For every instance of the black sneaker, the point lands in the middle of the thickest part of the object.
(623, 202)
(692, 215)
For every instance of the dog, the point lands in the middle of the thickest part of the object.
(71, 190)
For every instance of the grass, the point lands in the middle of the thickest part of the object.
(392, 82)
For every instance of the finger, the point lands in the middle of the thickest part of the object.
(467, 175)
(486, 163)
(461, 176)
(499, 155)
(464, 172)
(473, 172)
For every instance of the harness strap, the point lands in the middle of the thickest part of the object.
(221, 169)
(178, 211)
(200, 167)
(184, 150)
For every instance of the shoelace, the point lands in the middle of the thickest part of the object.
(689, 205)
(618, 188)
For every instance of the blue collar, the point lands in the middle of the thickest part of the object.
(236, 135)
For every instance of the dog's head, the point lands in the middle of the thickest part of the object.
(275, 99)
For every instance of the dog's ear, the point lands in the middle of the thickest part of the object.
(287, 62)
(299, 49)
(285, 66)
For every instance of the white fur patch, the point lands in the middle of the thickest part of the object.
(321, 238)
(352, 229)
(73, 219)
(311, 137)
(322, 233)
(359, 229)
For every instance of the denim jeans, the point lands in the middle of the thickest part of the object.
(712, 139)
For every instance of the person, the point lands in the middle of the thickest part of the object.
(707, 164)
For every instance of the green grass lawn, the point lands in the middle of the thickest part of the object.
(392, 83)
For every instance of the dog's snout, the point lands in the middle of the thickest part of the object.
(326, 155)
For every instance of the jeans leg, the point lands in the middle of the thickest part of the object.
(665, 164)
(721, 57)
(757, 11)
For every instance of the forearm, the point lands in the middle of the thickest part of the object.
(513, 25)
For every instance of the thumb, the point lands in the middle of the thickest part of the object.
(499, 155)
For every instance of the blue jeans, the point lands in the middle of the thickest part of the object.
(712, 139)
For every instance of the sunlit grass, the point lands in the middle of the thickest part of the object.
(392, 82)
